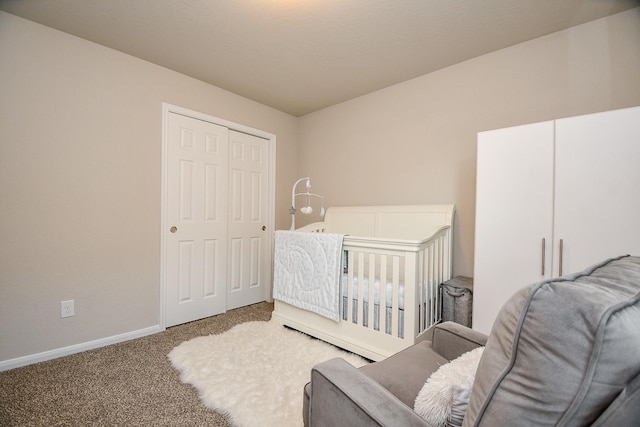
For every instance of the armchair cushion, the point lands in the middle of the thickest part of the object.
(563, 350)
(405, 372)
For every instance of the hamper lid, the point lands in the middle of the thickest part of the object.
(460, 282)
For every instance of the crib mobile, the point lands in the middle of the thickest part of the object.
(307, 210)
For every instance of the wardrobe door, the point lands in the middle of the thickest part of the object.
(597, 200)
(513, 215)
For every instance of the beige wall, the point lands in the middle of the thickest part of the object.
(80, 148)
(415, 142)
(80, 158)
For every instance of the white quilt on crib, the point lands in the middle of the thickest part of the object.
(307, 271)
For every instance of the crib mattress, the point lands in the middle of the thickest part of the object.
(376, 290)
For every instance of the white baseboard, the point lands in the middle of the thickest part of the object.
(18, 362)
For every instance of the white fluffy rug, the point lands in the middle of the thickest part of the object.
(254, 372)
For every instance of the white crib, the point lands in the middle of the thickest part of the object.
(398, 254)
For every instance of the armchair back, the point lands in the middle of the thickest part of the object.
(565, 352)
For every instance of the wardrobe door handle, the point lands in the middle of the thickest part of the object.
(543, 255)
(560, 258)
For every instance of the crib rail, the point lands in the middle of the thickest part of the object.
(396, 264)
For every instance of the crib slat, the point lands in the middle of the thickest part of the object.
(441, 267)
(382, 324)
(349, 307)
(423, 295)
(432, 280)
(371, 321)
(410, 323)
(359, 284)
(437, 270)
(395, 315)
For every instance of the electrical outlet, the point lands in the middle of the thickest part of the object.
(66, 308)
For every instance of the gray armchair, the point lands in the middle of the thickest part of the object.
(562, 352)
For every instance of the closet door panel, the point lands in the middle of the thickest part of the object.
(196, 198)
(249, 276)
(597, 203)
(513, 215)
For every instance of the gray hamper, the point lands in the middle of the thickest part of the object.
(457, 300)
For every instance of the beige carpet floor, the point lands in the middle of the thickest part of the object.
(126, 384)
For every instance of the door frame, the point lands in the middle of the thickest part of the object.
(271, 190)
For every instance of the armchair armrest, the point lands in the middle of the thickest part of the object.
(342, 395)
(451, 340)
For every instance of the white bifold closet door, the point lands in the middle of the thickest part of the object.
(216, 210)
(248, 177)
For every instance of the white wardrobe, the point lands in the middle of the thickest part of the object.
(553, 198)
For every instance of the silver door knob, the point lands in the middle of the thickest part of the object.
(173, 229)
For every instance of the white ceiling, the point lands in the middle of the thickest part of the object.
(299, 56)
